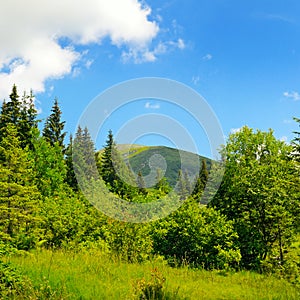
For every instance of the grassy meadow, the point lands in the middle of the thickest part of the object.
(95, 275)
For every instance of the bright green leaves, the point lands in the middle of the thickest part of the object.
(258, 193)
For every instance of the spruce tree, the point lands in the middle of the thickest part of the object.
(70, 176)
(28, 120)
(201, 180)
(108, 172)
(11, 111)
(115, 172)
(54, 128)
(22, 114)
(83, 156)
(19, 197)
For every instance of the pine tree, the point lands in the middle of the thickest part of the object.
(108, 172)
(28, 120)
(70, 176)
(11, 111)
(19, 197)
(115, 172)
(83, 156)
(22, 114)
(201, 180)
(54, 127)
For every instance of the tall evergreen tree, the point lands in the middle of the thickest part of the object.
(115, 172)
(70, 176)
(28, 120)
(11, 111)
(83, 156)
(22, 114)
(201, 180)
(54, 128)
(19, 197)
(181, 186)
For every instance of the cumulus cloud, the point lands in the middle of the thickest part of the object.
(39, 39)
(292, 95)
(150, 105)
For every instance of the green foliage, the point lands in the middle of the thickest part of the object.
(53, 131)
(12, 284)
(197, 236)
(129, 241)
(70, 174)
(162, 184)
(175, 160)
(115, 172)
(19, 197)
(154, 288)
(49, 166)
(21, 114)
(83, 155)
(201, 180)
(259, 193)
(95, 275)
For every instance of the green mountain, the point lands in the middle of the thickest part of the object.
(147, 159)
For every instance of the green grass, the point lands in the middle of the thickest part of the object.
(94, 275)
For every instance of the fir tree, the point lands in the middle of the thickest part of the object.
(28, 120)
(201, 180)
(70, 176)
(83, 156)
(22, 114)
(11, 111)
(115, 172)
(54, 127)
(19, 197)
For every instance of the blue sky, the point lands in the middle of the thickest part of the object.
(243, 57)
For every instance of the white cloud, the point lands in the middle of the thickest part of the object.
(141, 55)
(292, 95)
(207, 57)
(150, 105)
(32, 36)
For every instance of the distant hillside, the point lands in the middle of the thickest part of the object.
(144, 158)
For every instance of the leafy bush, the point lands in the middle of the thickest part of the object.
(198, 236)
(129, 241)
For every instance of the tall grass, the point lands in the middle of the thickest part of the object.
(95, 275)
